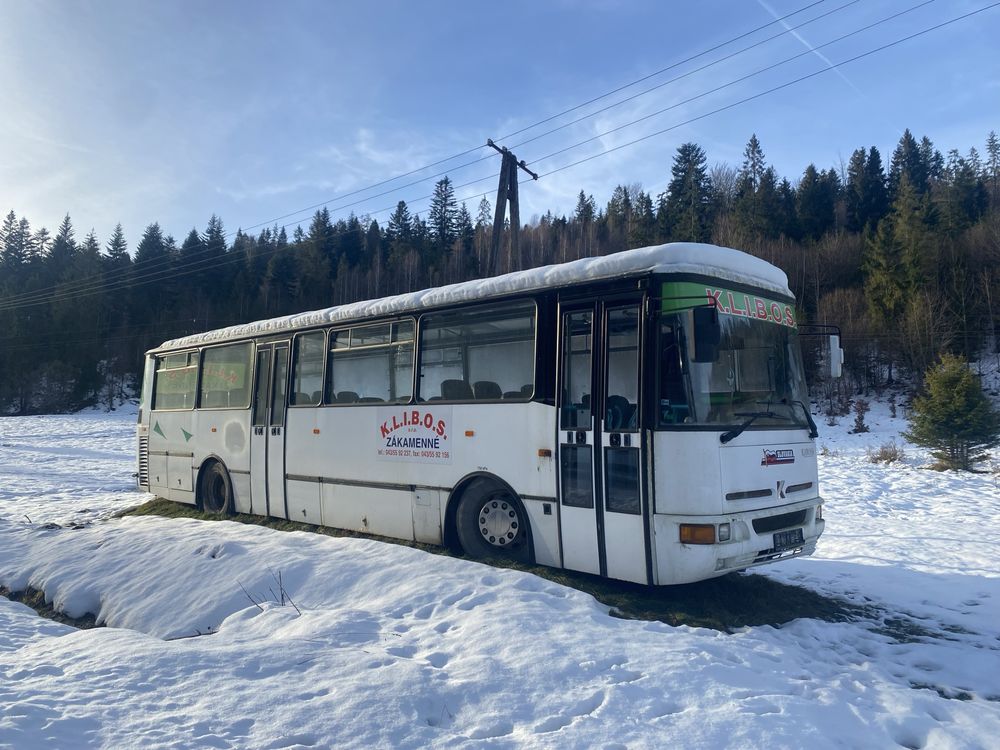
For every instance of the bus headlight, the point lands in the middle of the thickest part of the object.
(724, 532)
(698, 533)
(819, 512)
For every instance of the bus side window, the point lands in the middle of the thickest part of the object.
(371, 364)
(672, 397)
(481, 354)
(225, 377)
(307, 372)
(174, 386)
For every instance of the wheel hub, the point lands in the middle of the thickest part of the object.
(499, 523)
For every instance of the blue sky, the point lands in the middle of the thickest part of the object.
(131, 111)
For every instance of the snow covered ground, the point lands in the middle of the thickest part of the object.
(387, 646)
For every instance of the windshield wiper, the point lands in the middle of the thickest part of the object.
(752, 416)
(813, 431)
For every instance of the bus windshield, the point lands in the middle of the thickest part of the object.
(758, 370)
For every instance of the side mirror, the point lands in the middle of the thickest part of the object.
(707, 333)
(836, 357)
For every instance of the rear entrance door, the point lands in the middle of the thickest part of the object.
(267, 441)
(602, 526)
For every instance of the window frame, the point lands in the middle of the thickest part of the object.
(251, 374)
(350, 327)
(189, 353)
(524, 302)
(293, 365)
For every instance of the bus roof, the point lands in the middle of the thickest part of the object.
(678, 257)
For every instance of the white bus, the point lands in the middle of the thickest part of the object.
(641, 416)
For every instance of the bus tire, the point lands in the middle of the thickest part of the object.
(491, 522)
(215, 490)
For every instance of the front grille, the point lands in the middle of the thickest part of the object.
(144, 462)
(784, 521)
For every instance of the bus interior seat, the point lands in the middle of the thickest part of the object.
(619, 413)
(512, 394)
(347, 397)
(527, 390)
(456, 390)
(487, 390)
(370, 400)
(317, 397)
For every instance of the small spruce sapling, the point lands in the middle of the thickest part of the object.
(861, 408)
(954, 418)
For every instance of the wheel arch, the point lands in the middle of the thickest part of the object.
(450, 535)
(208, 460)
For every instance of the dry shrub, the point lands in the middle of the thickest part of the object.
(887, 453)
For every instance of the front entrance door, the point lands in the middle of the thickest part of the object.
(602, 525)
(267, 441)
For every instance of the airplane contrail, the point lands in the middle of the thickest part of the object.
(827, 61)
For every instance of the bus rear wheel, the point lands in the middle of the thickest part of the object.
(215, 490)
(492, 523)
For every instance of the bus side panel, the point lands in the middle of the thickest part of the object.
(371, 510)
(171, 455)
(339, 447)
(225, 434)
(502, 439)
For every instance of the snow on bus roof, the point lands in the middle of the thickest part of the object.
(679, 257)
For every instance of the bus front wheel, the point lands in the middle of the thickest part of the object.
(492, 523)
(215, 490)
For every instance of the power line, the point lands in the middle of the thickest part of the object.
(741, 79)
(198, 265)
(102, 278)
(762, 93)
(700, 69)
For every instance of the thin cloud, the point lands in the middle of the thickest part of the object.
(826, 60)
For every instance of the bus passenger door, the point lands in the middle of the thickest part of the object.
(258, 434)
(267, 440)
(579, 512)
(602, 524)
(276, 502)
(620, 439)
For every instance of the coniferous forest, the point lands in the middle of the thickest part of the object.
(902, 252)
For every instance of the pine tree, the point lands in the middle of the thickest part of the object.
(63, 248)
(908, 160)
(441, 219)
(117, 247)
(867, 196)
(954, 417)
(586, 208)
(884, 282)
(912, 220)
(484, 216)
(11, 244)
(689, 195)
(643, 228)
(815, 203)
(992, 166)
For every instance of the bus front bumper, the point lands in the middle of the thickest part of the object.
(755, 538)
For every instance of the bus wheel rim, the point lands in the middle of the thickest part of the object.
(499, 522)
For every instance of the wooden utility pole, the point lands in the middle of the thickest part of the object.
(506, 193)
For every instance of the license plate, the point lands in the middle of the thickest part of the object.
(788, 539)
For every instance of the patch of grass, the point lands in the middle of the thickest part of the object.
(732, 601)
(36, 600)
